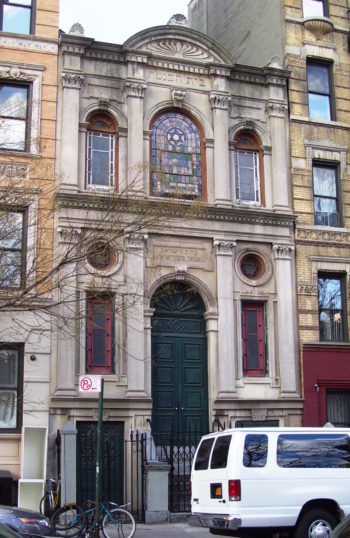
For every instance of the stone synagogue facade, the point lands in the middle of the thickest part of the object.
(174, 194)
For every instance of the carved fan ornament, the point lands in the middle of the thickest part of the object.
(179, 49)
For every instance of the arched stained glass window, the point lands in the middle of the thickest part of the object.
(176, 157)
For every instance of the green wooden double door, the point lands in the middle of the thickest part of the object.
(179, 362)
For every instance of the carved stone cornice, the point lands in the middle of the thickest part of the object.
(283, 252)
(135, 88)
(224, 247)
(11, 170)
(322, 236)
(15, 73)
(307, 289)
(275, 109)
(72, 80)
(209, 213)
(28, 44)
(178, 97)
(220, 100)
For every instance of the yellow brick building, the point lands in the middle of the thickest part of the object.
(317, 55)
(28, 93)
(311, 38)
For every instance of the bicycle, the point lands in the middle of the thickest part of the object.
(50, 501)
(115, 520)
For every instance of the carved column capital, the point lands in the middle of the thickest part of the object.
(136, 241)
(220, 100)
(224, 247)
(283, 252)
(276, 109)
(72, 80)
(135, 88)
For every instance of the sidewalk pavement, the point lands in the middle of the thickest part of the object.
(170, 530)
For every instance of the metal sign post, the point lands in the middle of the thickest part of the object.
(88, 384)
(99, 460)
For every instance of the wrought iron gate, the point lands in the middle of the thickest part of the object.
(122, 465)
(177, 449)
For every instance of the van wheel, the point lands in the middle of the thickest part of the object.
(315, 524)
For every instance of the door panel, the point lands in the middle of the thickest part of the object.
(179, 366)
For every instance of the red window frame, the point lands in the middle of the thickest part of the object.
(258, 336)
(94, 332)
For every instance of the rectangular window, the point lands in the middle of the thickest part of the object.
(100, 159)
(220, 452)
(12, 249)
(11, 387)
(16, 16)
(338, 407)
(247, 176)
(313, 450)
(253, 336)
(14, 116)
(255, 450)
(325, 182)
(99, 334)
(331, 306)
(315, 8)
(203, 454)
(320, 90)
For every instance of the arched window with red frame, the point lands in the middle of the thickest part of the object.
(177, 156)
(101, 151)
(249, 176)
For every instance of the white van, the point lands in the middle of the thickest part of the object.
(280, 479)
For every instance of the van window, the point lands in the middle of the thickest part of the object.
(313, 450)
(255, 450)
(220, 452)
(202, 460)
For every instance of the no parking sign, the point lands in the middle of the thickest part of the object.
(90, 383)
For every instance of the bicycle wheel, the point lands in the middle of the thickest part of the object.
(68, 520)
(118, 523)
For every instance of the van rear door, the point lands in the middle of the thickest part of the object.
(210, 492)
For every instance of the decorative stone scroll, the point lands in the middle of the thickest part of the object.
(9, 170)
(179, 49)
(178, 97)
(72, 80)
(307, 289)
(14, 73)
(259, 414)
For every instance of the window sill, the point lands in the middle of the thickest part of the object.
(23, 154)
(325, 123)
(11, 436)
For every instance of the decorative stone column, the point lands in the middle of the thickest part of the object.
(226, 325)
(286, 335)
(66, 322)
(68, 464)
(135, 90)
(211, 319)
(281, 189)
(71, 83)
(135, 345)
(148, 314)
(219, 102)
